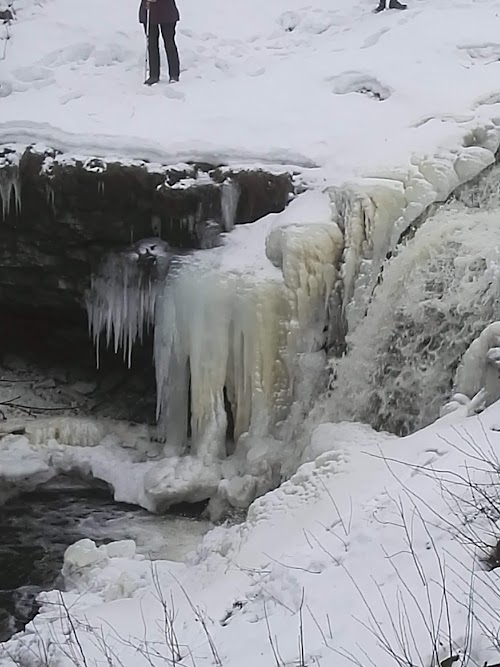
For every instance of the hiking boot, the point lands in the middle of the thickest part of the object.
(151, 80)
(395, 4)
(380, 8)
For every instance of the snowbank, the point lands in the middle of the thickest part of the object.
(356, 548)
(277, 82)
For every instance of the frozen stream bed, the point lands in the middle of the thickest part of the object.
(36, 528)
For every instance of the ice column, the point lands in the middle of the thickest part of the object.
(229, 198)
(217, 331)
(9, 185)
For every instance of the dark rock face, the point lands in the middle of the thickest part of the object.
(59, 215)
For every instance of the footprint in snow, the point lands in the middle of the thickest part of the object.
(256, 71)
(427, 464)
(76, 53)
(372, 40)
(5, 88)
(486, 100)
(170, 90)
(358, 82)
(481, 54)
(439, 451)
(69, 97)
(173, 92)
(32, 74)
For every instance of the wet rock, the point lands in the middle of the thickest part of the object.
(7, 625)
(84, 388)
(25, 603)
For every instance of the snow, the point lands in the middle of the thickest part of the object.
(357, 547)
(283, 82)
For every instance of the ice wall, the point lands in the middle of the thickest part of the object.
(436, 296)
(404, 312)
(230, 326)
(379, 209)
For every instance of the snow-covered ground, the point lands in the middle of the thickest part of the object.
(376, 546)
(287, 81)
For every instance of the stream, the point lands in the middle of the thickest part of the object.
(36, 528)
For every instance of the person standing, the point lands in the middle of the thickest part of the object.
(156, 16)
(393, 4)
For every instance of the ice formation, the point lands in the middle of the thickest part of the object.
(436, 296)
(480, 365)
(228, 334)
(217, 331)
(229, 199)
(123, 293)
(232, 335)
(239, 329)
(375, 212)
(10, 185)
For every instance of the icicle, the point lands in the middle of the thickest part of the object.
(50, 195)
(229, 198)
(9, 186)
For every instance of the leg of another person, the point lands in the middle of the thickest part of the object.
(168, 34)
(154, 53)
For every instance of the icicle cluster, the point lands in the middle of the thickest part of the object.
(122, 297)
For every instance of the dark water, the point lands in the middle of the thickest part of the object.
(36, 528)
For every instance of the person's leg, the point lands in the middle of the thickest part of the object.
(153, 53)
(168, 34)
(393, 4)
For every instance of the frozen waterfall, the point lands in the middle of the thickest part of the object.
(231, 326)
(436, 295)
(239, 330)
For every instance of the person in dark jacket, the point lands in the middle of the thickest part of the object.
(393, 4)
(156, 15)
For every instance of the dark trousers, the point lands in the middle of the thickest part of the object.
(168, 34)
